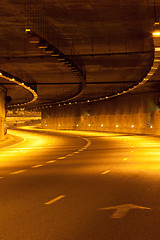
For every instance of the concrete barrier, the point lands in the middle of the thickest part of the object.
(138, 113)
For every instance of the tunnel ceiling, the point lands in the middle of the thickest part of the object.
(109, 39)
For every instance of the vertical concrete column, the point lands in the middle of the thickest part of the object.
(2, 113)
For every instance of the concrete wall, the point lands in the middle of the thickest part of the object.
(2, 113)
(125, 114)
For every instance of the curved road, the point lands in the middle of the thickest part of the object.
(79, 185)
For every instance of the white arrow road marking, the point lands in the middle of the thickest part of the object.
(54, 200)
(121, 210)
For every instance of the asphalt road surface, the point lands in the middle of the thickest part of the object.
(79, 186)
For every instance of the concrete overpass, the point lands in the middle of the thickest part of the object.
(87, 65)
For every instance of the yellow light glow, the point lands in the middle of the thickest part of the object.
(156, 34)
(116, 125)
(157, 49)
(102, 125)
(132, 126)
(89, 125)
(27, 30)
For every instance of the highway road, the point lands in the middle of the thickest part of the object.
(79, 186)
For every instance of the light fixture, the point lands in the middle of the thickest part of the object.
(42, 45)
(34, 39)
(48, 50)
(132, 126)
(54, 54)
(27, 29)
(156, 34)
(116, 125)
(157, 49)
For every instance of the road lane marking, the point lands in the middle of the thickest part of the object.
(37, 166)
(24, 139)
(54, 199)
(17, 172)
(122, 210)
(76, 152)
(70, 155)
(132, 151)
(51, 161)
(125, 159)
(61, 157)
(107, 171)
(132, 146)
(81, 150)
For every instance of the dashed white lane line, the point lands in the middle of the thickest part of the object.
(69, 155)
(17, 172)
(51, 161)
(61, 157)
(37, 166)
(54, 200)
(125, 159)
(107, 171)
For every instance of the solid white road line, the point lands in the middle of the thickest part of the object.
(54, 199)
